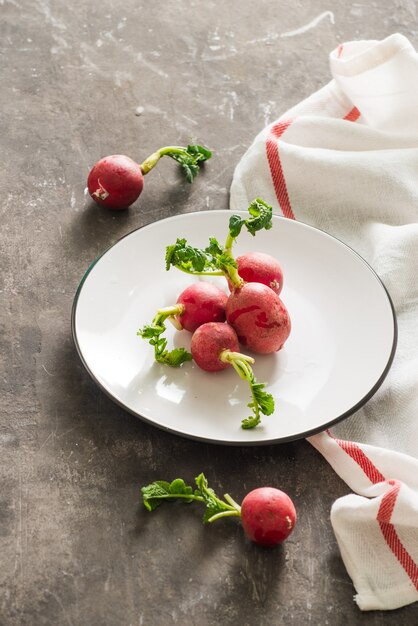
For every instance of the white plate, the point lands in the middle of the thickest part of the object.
(340, 349)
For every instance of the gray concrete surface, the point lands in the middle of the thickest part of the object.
(81, 80)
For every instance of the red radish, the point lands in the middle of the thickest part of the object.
(211, 345)
(197, 304)
(116, 181)
(268, 516)
(201, 303)
(259, 317)
(258, 267)
(214, 347)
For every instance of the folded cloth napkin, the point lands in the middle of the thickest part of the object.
(346, 160)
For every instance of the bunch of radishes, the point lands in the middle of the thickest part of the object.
(252, 315)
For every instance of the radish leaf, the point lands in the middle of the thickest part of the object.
(190, 158)
(189, 259)
(153, 332)
(155, 493)
(211, 261)
(159, 491)
(260, 218)
(262, 402)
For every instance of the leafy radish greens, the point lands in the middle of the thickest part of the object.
(261, 218)
(160, 491)
(262, 402)
(189, 158)
(215, 260)
(153, 332)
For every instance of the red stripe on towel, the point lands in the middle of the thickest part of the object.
(357, 454)
(391, 536)
(353, 115)
(276, 169)
(386, 508)
(273, 156)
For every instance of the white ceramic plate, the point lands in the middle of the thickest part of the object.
(340, 349)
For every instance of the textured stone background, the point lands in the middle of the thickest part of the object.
(81, 80)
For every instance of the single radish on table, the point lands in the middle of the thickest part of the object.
(268, 515)
(253, 309)
(215, 347)
(196, 305)
(116, 181)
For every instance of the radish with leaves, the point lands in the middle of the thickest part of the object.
(253, 309)
(268, 515)
(196, 305)
(215, 347)
(116, 181)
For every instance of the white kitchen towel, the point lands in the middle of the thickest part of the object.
(346, 160)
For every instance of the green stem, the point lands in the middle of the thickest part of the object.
(176, 496)
(168, 311)
(153, 159)
(228, 244)
(232, 502)
(224, 514)
(227, 356)
(234, 277)
(230, 271)
(213, 273)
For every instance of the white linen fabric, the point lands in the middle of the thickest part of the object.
(346, 160)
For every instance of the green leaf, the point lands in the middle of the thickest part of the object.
(214, 248)
(178, 487)
(261, 216)
(154, 494)
(175, 357)
(201, 482)
(250, 422)
(214, 504)
(200, 153)
(224, 262)
(149, 331)
(189, 259)
(210, 512)
(262, 402)
(170, 252)
(153, 332)
(157, 492)
(190, 158)
(265, 400)
(235, 225)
